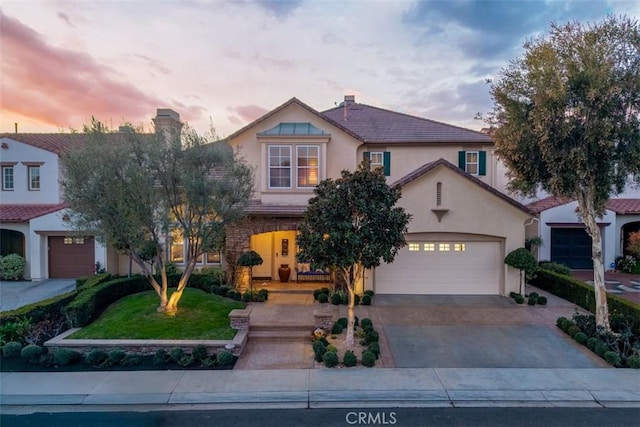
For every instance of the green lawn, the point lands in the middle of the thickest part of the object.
(200, 316)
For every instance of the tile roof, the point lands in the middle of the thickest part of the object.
(377, 125)
(25, 212)
(624, 206)
(619, 206)
(548, 203)
(442, 162)
(54, 142)
(256, 207)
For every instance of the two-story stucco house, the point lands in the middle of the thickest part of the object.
(462, 227)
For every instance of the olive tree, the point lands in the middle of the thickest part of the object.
(566, 120)
(132, 190)
(352, 224)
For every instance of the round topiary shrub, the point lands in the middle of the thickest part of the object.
(534, 295)
(601, 349)
(96, 357)
(65, 356)
(371, 336)
(519, 299)
(263, 294)
(512, 294)
(199, 353)
(224, 358)
(560, 321)
(366, 300)
(368, 359)
(573, 330)
(369, 292)
(31, 353)
(374, 348)
(337, 328)
(592, 342)
(330, 359)
(581, 338)
(633, 362)
(117, 354)
(323, 298)
(349, 359)
(542, 300)
(532, 300)
(366, 322)
(160, 357)
(356, 299)
(176, 353)
(336, 299)
(12, 267)
(343, 322)
(11, 350)
(612, 358)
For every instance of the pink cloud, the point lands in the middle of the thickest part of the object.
(64, 88)
(248, 113)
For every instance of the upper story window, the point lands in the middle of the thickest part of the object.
(307, 159)
(473, 162)
(7, 178)
(379, 160)
(280, 166)
(34, 178)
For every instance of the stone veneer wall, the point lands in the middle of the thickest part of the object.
(238, 240)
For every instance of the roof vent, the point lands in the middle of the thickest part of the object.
(349, 99)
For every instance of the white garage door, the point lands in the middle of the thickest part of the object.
(442, 268)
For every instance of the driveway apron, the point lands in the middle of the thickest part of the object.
(441, 331)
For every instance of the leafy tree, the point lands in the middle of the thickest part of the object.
(352, 224)
(566, 119)
(131, 188)
(523, 260)
(250, 259)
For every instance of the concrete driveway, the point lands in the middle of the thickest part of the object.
(440, 331)
(17, 294)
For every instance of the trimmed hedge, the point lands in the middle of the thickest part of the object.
(87, 282)
(583, 295)
(90, 304)
(39, 311)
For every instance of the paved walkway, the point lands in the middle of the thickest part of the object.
(17, 294)
(317, 388)
(624, 285)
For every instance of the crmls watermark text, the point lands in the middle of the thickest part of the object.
(370, 418)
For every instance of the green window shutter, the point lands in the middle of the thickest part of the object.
(482, 159)
(462, 160)
(387, 163)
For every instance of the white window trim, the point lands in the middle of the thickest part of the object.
(13, 178)
(317, 147)
(376, 165)
(467, 162)
(291, 166)
(29, 177)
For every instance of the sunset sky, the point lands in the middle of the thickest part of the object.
(228, 62)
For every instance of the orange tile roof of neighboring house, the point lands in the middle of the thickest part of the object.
(624, 206)
(26, 212)
(548, 203)
(54, 142)
(442, 162)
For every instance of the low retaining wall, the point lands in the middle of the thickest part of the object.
(236, 345)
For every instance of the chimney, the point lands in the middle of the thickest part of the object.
(168, 122)
(348, 100)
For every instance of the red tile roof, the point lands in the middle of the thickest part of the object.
(624, 206)
(548, 203)
(54, 142)
(377, 125)
(442, 162)
(24, 212)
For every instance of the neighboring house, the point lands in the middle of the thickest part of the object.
(564, 236)
(462, 227)
(33, 220)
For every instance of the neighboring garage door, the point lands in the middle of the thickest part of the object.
(571, 247)
(442, 268)
(71, 256)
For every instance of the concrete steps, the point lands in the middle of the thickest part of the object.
(280, 333)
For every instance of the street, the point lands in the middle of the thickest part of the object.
(428, 417)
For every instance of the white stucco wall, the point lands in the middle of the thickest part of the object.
(19, 153)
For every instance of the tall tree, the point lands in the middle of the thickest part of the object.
(352, 224)
(132, 189)
(566, 118)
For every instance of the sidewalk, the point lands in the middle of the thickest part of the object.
(322, 388)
